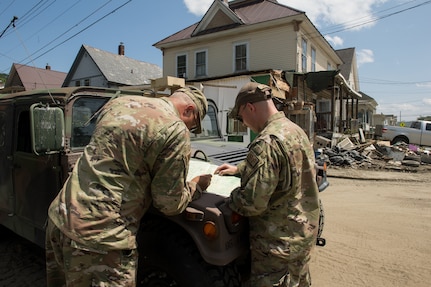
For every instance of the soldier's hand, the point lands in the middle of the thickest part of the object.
(226, 169)
(203, 181)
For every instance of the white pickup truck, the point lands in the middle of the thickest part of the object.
(418, 133)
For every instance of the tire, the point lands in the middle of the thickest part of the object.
(400, 140)
(169, 257)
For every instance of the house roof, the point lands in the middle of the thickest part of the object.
(116, 68)
(366, 97)
(221, 16)
(347, 56)
(31, 78)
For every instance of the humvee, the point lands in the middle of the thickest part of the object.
(43, 133)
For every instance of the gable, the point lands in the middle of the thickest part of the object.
(115, 68)
(218, 15)
(221, 17)
(31, 78)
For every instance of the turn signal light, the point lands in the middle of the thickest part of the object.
(210, 230)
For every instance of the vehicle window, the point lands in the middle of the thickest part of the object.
(209, 124)
(416, 125)
(24, 133)
(428, 127)
(84, 119)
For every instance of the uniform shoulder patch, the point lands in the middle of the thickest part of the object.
(252, 159)
(253, 155)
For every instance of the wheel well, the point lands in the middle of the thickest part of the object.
(400, 138)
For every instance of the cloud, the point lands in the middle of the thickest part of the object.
(338, 12)
(335, 41)
(323, 12)
(198, 7)
(365, 56)
(424, 85)
(406, 111)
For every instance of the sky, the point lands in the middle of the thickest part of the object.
(390, 37)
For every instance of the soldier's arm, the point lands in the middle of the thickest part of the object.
(169, 189)
(259, 179)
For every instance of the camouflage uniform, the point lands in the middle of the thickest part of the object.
(138, 157)
(279, 195)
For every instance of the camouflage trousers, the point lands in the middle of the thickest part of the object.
(274, 271)
(72, 267)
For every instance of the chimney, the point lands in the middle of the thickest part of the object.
(121, 49)
(47, 67)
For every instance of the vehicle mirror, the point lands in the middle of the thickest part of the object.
(47, 129)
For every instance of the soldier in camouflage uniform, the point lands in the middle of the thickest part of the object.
(278, 191)
(138, 157)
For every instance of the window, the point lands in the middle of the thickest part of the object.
(235, 127)
(240, 54)
(77, 83)
(428, 127)
(84, 119)
(87, 82)
(209, 124)
(24, 132)
(416, 125)
(313, 60)
(201, 63)
(304, 55)
(182, 66)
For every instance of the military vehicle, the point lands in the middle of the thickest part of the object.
(43, 133)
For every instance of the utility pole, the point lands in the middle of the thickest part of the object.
(12, 23)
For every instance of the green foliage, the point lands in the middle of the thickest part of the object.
(3, 78)
(425, 118)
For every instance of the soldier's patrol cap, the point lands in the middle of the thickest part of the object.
(199, 100)
(251, 92)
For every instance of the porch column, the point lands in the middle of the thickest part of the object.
(340, 121)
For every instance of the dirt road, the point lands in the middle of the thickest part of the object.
(378, 231)
(377, 234)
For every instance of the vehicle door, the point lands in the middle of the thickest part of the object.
(6, 184)
(426, 135)
(36, 176)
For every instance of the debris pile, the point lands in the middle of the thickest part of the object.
(348, 151)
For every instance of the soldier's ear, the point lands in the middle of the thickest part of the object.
(189, 110)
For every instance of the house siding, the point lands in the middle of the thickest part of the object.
(87, 69)
(274, 48)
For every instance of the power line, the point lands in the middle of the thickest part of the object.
(68, 30)
(12, 23)
(388, 82)
(10, 4)
(87, 27)
(379, 18)
(356, 23)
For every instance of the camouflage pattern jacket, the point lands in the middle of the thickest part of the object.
(278, 191)
(138, 156)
